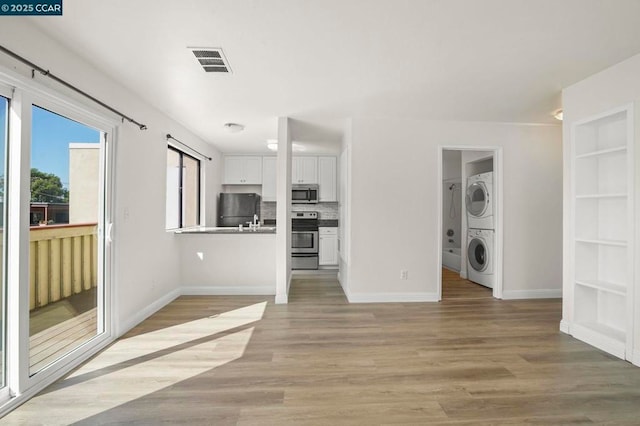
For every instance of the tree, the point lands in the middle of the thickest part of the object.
(47, 188)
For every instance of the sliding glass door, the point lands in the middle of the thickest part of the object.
(4, 117)
(65, 215)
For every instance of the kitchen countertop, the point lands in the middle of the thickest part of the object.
(322, 223)
(227, 230)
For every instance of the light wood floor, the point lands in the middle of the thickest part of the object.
(454, 287)
(318, 360)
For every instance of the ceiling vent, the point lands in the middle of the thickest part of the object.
(211, 59)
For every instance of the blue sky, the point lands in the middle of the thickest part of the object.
(50, 138)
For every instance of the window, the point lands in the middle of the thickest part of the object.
(183, 190)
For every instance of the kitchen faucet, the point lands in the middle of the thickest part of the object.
(255, 224)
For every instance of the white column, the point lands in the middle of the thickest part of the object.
(283, 212)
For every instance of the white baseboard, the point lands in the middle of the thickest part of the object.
(599, 340)
(531, 294)
(146, 312)
(390, 297)
(228, 291)
(282, 299)
(565, 326)
(635, 360)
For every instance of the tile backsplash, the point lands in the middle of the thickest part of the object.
(325, 210)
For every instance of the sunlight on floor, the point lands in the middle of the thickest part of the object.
(139, 365)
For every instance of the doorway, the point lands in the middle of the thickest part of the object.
(469, 222)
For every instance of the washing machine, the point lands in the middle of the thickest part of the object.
(480, 256)
(479, 201)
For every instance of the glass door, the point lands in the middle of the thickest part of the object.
(66, 214)
(4, 114)
(477, 199)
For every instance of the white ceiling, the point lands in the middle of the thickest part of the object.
(322, 61)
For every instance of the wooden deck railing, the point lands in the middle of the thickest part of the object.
(63, 261)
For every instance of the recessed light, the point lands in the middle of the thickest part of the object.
(272, 144)
(557, 114)
(233, 127)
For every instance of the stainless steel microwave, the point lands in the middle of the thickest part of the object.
(304, 194)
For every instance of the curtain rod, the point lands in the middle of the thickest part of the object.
(184, 144)
(46, 73)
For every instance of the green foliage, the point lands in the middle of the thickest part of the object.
(47, 188)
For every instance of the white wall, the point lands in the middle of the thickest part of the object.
(452, 174)
(451, 165)
(146, 261)
(228, 263)
(84, 185)
(283, 211)
(609, 89)
(394, 219)
(344, 201)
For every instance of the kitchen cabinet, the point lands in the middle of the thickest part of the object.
(269, 165)
(304, 170)
(242, 170)
(328, 247)
(601, 263)
(327, 179)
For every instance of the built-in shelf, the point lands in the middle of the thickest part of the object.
(602, 152)
(595, 196)
(604, 286)
(616, 243)
(601, 174)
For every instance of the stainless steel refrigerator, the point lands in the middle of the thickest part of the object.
(236, 209)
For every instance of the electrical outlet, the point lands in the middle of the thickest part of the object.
(404, 274)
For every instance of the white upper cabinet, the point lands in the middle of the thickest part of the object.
(304, 170)
(242, 170)
(327, 179)
(269, 165)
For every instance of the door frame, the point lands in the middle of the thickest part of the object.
(496, 152)
(26, 92)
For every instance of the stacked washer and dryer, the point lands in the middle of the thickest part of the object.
(480, 229)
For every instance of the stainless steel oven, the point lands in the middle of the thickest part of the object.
(304, 240)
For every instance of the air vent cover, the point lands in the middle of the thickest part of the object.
(212, 59)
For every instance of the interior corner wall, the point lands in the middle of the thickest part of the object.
(344, 201)
(394, 208)
(147, 271)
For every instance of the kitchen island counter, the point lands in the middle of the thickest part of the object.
(222, 263)
(227, 230)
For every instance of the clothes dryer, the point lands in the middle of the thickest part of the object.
(479, 201)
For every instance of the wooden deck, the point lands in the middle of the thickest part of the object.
(60, 327)
(242, 360)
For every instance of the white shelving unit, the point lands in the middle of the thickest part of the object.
(603, 231)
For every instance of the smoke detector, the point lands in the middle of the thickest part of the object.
(211, 59)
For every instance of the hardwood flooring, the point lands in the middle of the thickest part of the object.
(454, 287)
(319, 361)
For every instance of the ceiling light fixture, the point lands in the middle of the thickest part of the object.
(272, 144)
(233, 127)
(557, 114)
